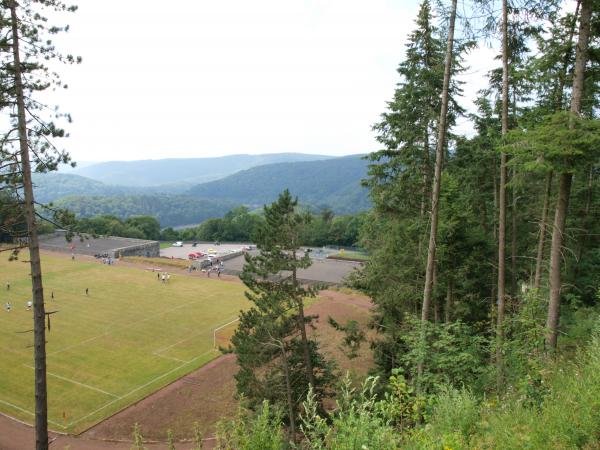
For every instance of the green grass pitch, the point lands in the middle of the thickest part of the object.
(131, 336)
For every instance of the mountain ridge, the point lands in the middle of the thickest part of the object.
(333, 183)
(183, 171)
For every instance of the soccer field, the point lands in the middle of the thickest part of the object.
(130, 336)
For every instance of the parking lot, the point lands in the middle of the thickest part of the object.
(204, 247)
(322, 270)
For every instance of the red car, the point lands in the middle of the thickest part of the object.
(199, 254)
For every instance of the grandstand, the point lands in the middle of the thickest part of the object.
(103, 245)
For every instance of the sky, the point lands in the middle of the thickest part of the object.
(196, 78)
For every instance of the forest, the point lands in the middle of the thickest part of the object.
(484, 268)
(237, 225)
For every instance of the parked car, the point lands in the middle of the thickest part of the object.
(199, 254)
(178, 244)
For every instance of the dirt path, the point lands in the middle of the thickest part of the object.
(204, 396)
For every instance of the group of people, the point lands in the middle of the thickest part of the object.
(216, 266)
(28, 305)
(8, 305)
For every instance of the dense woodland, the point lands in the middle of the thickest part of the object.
(485, 256)
(169, 210)
(237, 225)
(485, 260)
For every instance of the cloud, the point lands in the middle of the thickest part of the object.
(192, 78)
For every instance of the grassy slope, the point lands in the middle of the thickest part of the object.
(131, 336)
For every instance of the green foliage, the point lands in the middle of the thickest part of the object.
(456, 354)
(400, 403)
(276, 359)
(149, 226)
(170, 440)
(139, 227)
(49, 187)
(567, 416)
(12, 222)
(241, 225)
(353, 336)
(169, 210)
(197, 437)
(357, 423)
(260, 431)
(138, 440)
(562, 142)
(237, 225)
(454, 418)
(524, 347)
(333, 183)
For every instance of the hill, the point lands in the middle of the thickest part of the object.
(182, 171)
(49, 187)
(52, 186)
(170, 210)
(333, 183)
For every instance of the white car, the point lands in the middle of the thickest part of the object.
(178, 244)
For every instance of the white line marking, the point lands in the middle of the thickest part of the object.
(76, 382)
(140, 387)
(68, 347)
(160, 350)
(218, 328)
(127, 325)
(169, 357)
(18, 408)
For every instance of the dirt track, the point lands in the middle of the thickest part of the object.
(205, 395)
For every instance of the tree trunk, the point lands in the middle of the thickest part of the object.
(560, 217)
(437, 181)
(502, 208)
(584, 220)
(426, 197)
(558, 105)
(539, 260)
(513, 245)
(302, 325)
(494, 264)
(288, 390)
(562, 78)
(41, 396)
(448, 308)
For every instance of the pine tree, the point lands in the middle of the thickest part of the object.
(565, 179)
(278, 361)
(400, 180)
(24, 48)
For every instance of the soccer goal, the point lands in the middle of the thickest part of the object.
(222, 335)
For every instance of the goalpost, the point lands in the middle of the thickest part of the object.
(221, 327)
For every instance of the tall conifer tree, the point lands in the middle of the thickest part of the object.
(278, 360)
